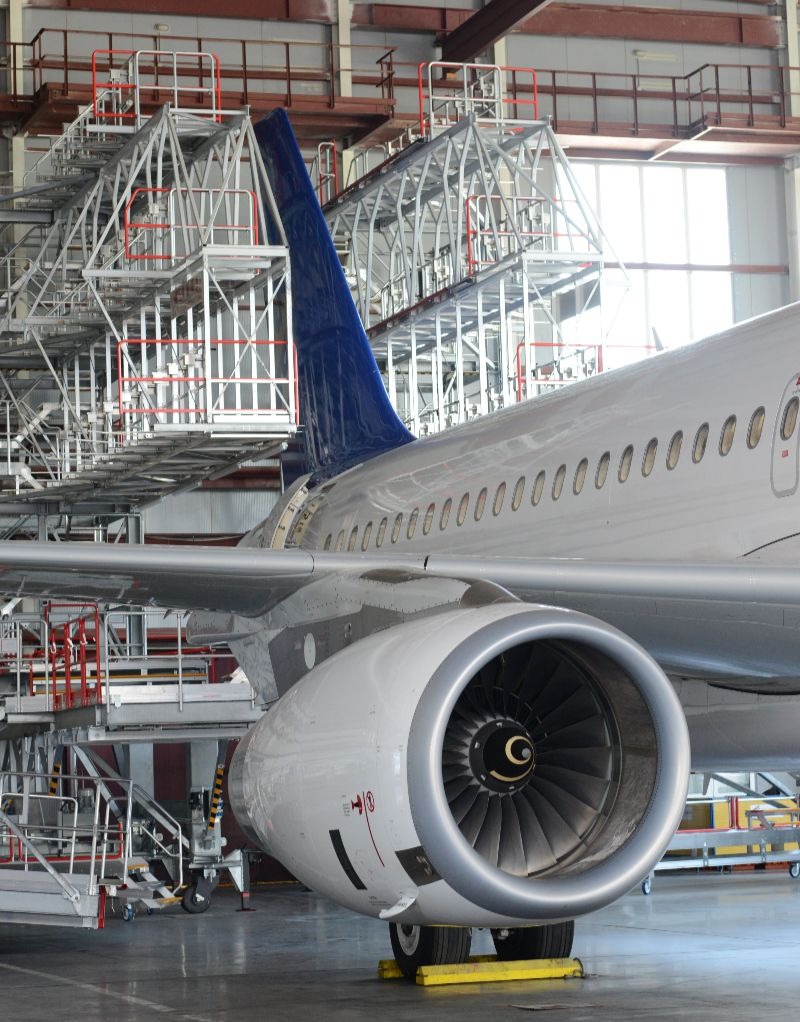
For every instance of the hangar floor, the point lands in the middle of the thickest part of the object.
(706, 947)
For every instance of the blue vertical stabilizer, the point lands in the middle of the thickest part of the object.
(343, 403)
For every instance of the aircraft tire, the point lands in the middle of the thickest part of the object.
(531, 942)
(428, 945)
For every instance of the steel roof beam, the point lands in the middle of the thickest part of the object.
(486, 26)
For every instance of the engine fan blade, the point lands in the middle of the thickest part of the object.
(472, 821)
(487, 844)
(576, 706)
(462, 804)
(591, 761)
(538, 853)
(590, 790)
(560, 836)
(573, 810)
(456, 785)
(591, 732)
(511, 857)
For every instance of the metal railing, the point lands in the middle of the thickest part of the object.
(493, 94)
(173, 382)
(79, 823)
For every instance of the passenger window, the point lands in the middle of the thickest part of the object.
(367, 534)
(398, 524)
(674, 451)
(448, 504)
(328, 540)
(480, 504)
(700, 441)
(428, 522)
(580, 476)
(351, 543)
(625, 463)
(726, 436)
(649, 458)
(499, 497)
(516, 497)
(538, 489)
(602, 470)
(756, 428)
(340, 540)
(462, 509)
(412, 523)
(381, 532)
(789, 419)
(558, 482)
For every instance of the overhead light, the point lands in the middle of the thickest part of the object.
(160, 26)
(666, 58)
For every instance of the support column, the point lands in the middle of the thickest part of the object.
(793, 59)
(17, 142)
(341, 40)
(792, 190)
(792, 165)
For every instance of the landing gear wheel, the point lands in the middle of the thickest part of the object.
(794, 870)
(428, 945)
(531, 942)
(193, 901)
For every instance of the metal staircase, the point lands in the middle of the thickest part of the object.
(67, 841)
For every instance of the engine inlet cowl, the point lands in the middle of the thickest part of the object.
(484, 766)
(557, 758)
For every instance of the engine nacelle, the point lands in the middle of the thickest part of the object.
(490, 766)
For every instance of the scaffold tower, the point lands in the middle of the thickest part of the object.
(471, 251)
(145, 312)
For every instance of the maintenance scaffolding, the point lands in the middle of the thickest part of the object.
(145, 316)
(471, 250)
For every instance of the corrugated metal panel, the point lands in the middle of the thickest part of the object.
(210, 511)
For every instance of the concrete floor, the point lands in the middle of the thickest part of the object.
(701, 948)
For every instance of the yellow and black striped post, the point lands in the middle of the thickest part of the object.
(55, 776)
(215, 810)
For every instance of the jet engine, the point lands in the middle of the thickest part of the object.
(486, 766)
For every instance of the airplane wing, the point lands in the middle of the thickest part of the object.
(249, 581)
(713, 621)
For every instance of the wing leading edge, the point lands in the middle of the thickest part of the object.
(248, 581)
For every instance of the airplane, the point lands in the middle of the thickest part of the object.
(494, 655)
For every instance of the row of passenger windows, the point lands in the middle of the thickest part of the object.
(673, 454)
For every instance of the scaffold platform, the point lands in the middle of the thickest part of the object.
(145, 304)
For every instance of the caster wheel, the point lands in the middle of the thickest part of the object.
(794, 870)
(128, 913)
(194, 902)
(647, 885)
(150, 911)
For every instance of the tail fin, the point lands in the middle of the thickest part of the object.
(343, 403)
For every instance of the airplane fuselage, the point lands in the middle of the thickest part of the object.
(549, 489)
(678, 458)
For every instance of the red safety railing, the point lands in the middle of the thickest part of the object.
(195, 387)
(100, 88)
(217, 200)
(73, 650)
